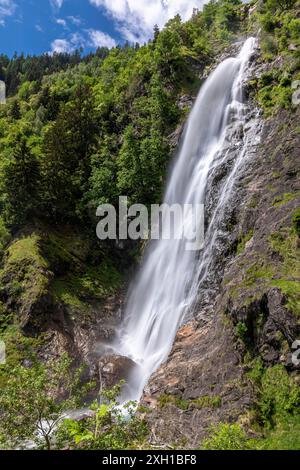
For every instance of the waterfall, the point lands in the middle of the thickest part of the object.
(168, 283)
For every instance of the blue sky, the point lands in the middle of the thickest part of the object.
(37, 26)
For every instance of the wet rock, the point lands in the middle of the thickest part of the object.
(175, 137)
(293, 47)
(185, 102)
(113, 369)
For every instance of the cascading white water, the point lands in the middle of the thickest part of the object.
(167, 284)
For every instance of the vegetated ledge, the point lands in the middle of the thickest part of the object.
(60, 289)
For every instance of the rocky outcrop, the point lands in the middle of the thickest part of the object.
(113, 369)
(56, 288)
(253, 305)
(204, 371)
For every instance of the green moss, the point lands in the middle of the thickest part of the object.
(256, 369)
(166, 399)
(207, 401)
(282, 273)
(25, 276)
(243, 240)
(285, 242)
(284, 436)
(277, 415)
(18, 348)
(292, 290)
(258, 271)
(64, 290)
(4, 236)
(26, 250)
(285, 198)
(94, 282)
(241, 331)
(253, 203)
(296, 221)
(65, 249)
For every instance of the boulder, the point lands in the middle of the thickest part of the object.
(113, 369)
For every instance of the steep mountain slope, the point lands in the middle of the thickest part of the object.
(107, 127)
(256, 314)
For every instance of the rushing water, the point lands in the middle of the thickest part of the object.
(167, 285)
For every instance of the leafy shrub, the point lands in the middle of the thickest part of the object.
(241, 330)
(207, 401)
(285, 436)
(279, 395)
(296, 221)
(108, 427)
(269, 45)
(166, 399)
(29, 406)
(226, 437)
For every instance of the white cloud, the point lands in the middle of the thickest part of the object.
(7, 8)
(75, 20)
(135, 19)
(39, 28)
(100, 39)
(61, 22)
(88, 37)
(56, 3)
(60, 46)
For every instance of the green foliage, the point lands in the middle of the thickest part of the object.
(274, 97)
(241, 331)
(180, 403)
(285, 242)
(243, 240)
(95, 282)
(205, 401)
(277, 407)
(226, 437)
(68, 146)
(4, 235)
(20, 180)
(279, 37)
(277, 414)
(296, 221)
(91, 129)
(285, 198)
(109, 426)
(285, 436)
(29, 405)
(279, 396)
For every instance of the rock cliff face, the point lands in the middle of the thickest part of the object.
(56, 286)
(64, 291)
(254, 310)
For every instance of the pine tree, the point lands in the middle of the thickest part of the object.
(21, 178)
(68, 146)
(15, 111)
(155, 33)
